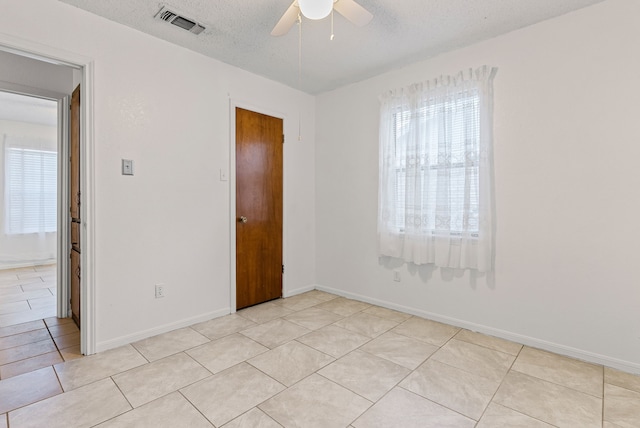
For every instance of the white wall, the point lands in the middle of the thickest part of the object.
(167, 108)
(566, 149)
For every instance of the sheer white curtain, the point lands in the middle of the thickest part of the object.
(435, 189)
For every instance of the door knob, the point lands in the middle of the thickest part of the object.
(243, 219)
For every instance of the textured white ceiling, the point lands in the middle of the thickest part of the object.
(401, 32)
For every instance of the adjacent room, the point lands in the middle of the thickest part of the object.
(319, 213)
(29, 127)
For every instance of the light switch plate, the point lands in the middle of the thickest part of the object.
(127, 167)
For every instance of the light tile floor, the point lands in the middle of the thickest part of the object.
(27, 294)
(31, 337)
(37, 344)
(318, 360)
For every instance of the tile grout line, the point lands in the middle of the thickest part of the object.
(121, 393)
(441, 405)
(139, 352)
(500, 385)
(195, 407)
(53, 339)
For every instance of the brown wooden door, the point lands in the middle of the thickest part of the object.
(74, 205)
(74, 158)
(75, 275)
(259, 141)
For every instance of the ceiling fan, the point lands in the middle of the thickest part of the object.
(319, 9)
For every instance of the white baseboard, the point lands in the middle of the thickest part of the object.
(17, 265)
(300, 290)
(125, 340)
(568, 351)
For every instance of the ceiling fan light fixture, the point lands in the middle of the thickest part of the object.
(315, 9)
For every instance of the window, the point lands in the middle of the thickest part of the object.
(454, 164)
(435, 172)
(30, 190)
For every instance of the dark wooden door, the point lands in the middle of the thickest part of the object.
(75, 275)
(259, 141)
(74, 206)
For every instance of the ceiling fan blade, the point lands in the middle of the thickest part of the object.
(286, 22)
(353, 12)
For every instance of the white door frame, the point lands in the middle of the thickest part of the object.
(63, 280)
(53, 55)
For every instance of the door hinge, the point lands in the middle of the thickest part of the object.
(283, 269)
(282, 138)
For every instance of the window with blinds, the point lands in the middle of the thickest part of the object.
(437, 150)
(30, 190)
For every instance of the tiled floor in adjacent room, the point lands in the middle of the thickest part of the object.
(31, 337)
(318, 360)
(27, 294)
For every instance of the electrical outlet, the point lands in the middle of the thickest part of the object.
(159, 290)
(127, 167)
(396, 275)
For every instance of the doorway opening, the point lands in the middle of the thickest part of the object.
(29, 131)
(52, 74)
(30, 159)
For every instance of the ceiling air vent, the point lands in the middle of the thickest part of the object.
(180, 21)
